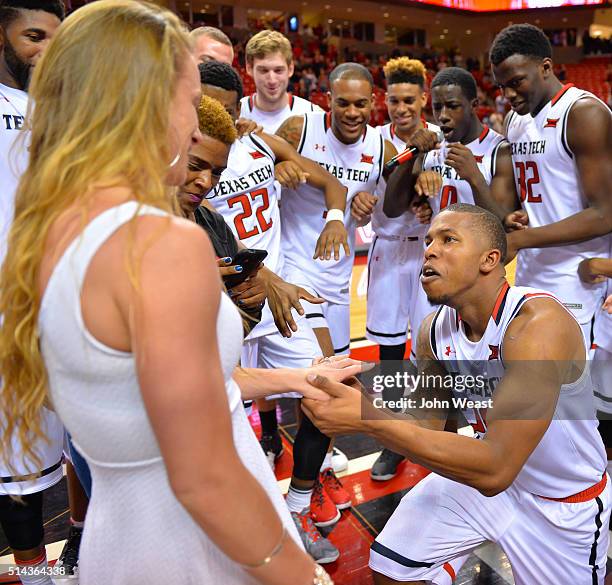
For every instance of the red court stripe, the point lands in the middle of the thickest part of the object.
(369, 353)
(353, 541)
(363, 489)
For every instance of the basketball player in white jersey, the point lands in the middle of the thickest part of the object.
(345, 145)
(561, 140)
(26, 28)
(473, 162)
(247, 196)
(533, 480)
(396, 253)
(269, 61)
(398, 244)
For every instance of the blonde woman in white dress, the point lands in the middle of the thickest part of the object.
(113, 312)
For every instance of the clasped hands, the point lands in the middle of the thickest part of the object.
(333, 395)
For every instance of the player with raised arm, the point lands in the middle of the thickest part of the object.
(343, 143)
(269, 61)
(561, 139)
(395, 255)
(537, 456)
(473, 161)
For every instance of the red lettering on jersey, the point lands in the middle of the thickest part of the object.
(480, 426)
(449, 350)
(551, 122)
(479, 158)
(494, 352)
(320, 147)
(247, 213)
(526, 183)
(448, 196)
(367, 158)
(256, 154)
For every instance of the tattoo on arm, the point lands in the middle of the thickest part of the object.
(291, 130)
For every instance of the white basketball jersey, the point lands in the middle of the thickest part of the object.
(43, 475)
(406, 224)
(270, 121)
(454, 189)
(358, 167)
(602, 329)
(570, 456)
(549, 186)
(13, 161)
(247, 197)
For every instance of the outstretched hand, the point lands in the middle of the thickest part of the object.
(341, 413)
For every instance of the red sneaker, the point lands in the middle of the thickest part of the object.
(335, 490)
(322, 510)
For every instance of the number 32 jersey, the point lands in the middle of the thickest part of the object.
(549, 188)
(247, 197)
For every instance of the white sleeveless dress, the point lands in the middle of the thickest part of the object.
(136, 531)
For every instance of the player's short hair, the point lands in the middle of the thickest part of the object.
(268, 42)
(457, 76)
(221, 75)
(520, 39)
(351, 71)
(486, 223)
(215, 122)
(405, 70)
(9, 9)
(213, 33)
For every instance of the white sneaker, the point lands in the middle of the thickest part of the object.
(339, 460)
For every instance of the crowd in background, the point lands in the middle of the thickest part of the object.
(315, 56)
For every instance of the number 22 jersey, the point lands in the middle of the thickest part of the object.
(247, 197)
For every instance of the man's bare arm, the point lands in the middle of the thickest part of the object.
(503, 187)
(291, 130)
(522, 408)
(400, 193)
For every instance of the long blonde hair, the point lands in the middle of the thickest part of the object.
(102, 94)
